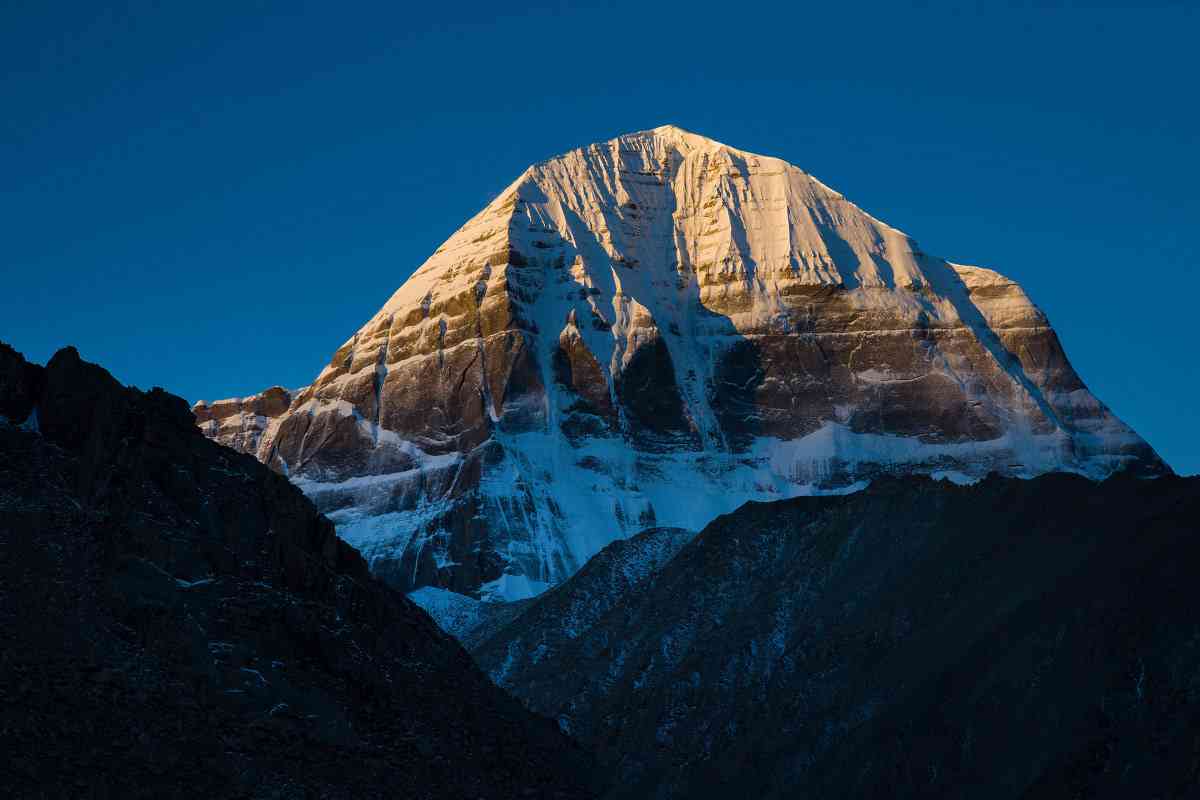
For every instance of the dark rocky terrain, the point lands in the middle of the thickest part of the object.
(1011, 639)
(542, 628)
(176, 620)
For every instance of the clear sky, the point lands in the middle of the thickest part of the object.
(212, 197)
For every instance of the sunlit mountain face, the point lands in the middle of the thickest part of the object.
(651, 331)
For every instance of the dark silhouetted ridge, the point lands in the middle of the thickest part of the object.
(177, 620)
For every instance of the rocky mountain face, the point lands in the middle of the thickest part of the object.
(1014, 638)
(240, 422)
(176, 620)
(651, 331)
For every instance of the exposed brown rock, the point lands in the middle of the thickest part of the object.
(669, 306)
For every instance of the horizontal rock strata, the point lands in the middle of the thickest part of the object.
(650, 331)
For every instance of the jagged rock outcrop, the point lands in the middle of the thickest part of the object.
(652, 330)
(240, 422)
(176, 620)
(1010, 639)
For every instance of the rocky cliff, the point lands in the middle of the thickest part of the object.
(1011, 639)
(651, 331)
(240, 422)
(176, 620)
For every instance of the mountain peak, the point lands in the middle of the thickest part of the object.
(651, 331)
(670, 137)
(660, 145)
(676, 133)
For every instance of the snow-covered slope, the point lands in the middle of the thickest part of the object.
(651, 331)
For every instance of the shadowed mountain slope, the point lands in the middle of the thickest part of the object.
(176, 620)
(1011, 639)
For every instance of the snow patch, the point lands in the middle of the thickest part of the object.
(454, 613)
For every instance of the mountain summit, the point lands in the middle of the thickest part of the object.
(651, 331)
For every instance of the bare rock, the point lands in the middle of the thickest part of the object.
(704, 325)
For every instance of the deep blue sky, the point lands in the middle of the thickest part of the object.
(213, 198)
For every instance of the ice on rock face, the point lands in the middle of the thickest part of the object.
(651, 331)
(454, 613)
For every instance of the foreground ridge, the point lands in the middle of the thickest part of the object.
(1013, 638)
(177, 620)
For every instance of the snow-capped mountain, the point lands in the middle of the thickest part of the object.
(651, 331)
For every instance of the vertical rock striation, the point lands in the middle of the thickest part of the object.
(653, 330)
